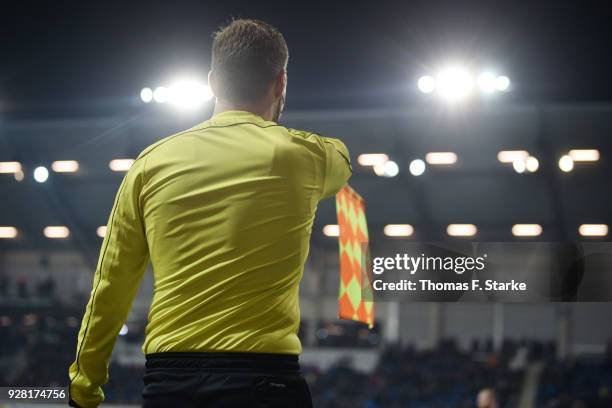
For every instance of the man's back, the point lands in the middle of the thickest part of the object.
(224, 212)
(228, 209)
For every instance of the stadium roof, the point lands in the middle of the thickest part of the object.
(477, 189)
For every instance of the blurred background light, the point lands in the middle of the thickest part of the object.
(372, 159)
(426, 84)
(454, 83)
(502, 83)
(120, 164)
(584, 155)
(526, 230)
(56, 231)
(146, 95)
(387, 169)
(101, 231)
(331, 230)
(398, 230)
(10, 167)
(593, 230)
(41, 174)
(509, 156)
(65, 166)
(185, 94)
(189, 94)
(461, 230)
(441, 158)
(519, 165)
(532, 164)
(8, 232)
(417, 167)
(487, 82)
(566, 163)
(160, 95)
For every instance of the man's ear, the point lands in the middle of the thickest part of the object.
(280, 83)
(212, 83)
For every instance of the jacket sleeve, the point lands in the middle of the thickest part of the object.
(121, 265)
(337, 166)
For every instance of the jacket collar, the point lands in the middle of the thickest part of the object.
(236, 116)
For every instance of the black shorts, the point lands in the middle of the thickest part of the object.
(192, 380)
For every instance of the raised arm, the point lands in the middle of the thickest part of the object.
(337, 166)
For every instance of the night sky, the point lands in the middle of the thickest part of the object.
(62, 58)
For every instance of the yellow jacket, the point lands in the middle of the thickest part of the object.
(224, 212)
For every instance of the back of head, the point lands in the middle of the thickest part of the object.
(486, 398)
(247, 56)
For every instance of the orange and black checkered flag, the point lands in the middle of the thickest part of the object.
(355, 298)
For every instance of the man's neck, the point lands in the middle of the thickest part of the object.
(223, 106)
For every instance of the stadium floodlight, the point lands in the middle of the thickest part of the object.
(502, 83)
(519, 165)
(593, 230)
(10, 167)
(487, 82)
(8, 232)
(189, 94)
(65, 166)
(566, 163)
(372, 159)
(41, 174)
(160, 94)
(120, 164)
(417, 167)
(526, 230)
(426, 84)
(387, 169)
(398, 230)
(101, 231)
(509, 156)
(454, 83)
(461, 230)
(532, 164)
(441, 158)
(56, 231)
(146, 95)
(331, 230)
(584, 155)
